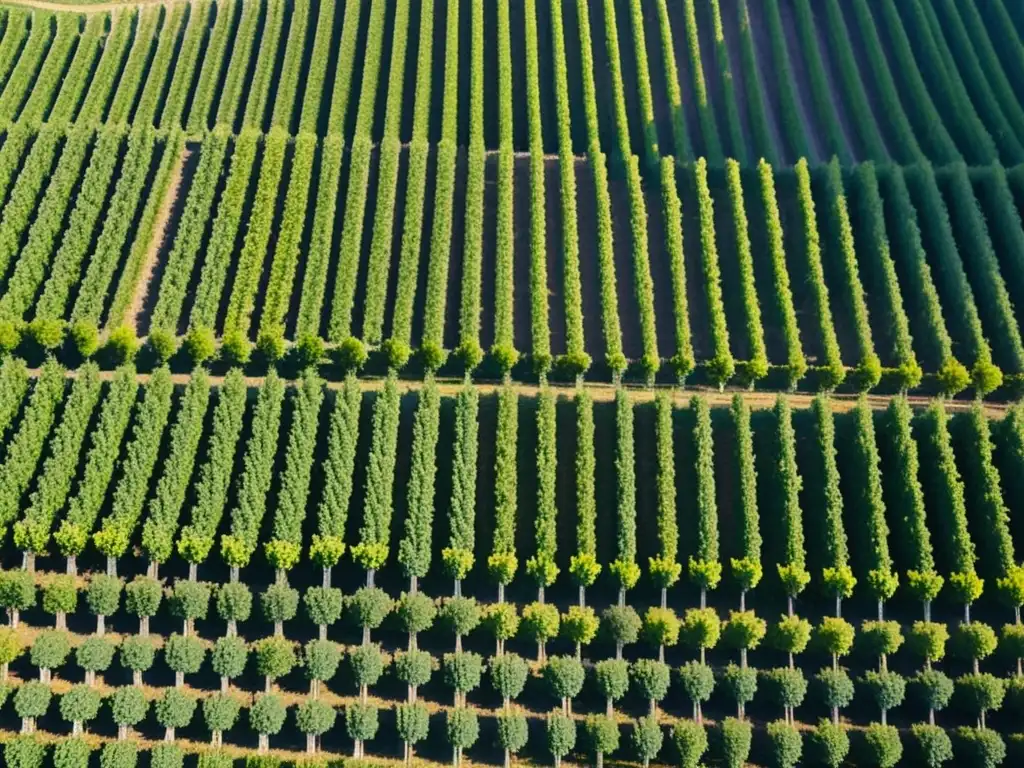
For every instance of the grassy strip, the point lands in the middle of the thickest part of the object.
(221, 246)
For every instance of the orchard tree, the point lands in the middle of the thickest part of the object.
(612, 677)
(744, 632)
(31, 701)
(1012, 645)
(981, 747)
(174, 710)
(981, 693)
(368, 608)
(579, 626)
(888, 689)
(647, 739)
(698, 680)
(748, 569)
(323, 606)
(220, 712)
(128, 708)
(17, 593)
(501, 620)
(701, 629)
(934, 747)
(280, 603)
(320, 661)
(462, 672)
(829, 744)
(736, 738)
(741, 683)
(512, 733)
(836, 690)
(622, 624)
(10, 649)
(137, 654)
(79, 705)
(60, 597)
(414, 668)
(561, 736)
(25, 751)
(184, 654)
(103, 596)
(602, 737)
(652, 679)
(461, 615)
(119, 754)
(508, 675)
(266, 716)
(691, 740)
(834, 636)
(934, 688)
(882, 745)
(661, 628)
(166, 755)
(928, 639)
(94, 655)
(790, 636)
(789, 687)
(234, 604)
(974, 642)
(230, 654)
(190, 600)
(275, 658)
(540, 624)
(463, 731)
(416, 611)
(142, 597)
(412, 721)
(314, 718)
(565, 675)
(787, 744)
(882, 639)
(367, 663)
(71, 753)
(49, 650)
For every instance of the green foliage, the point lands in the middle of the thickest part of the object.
(652, 678)
(369, 606)
(50, 649)
(786, 685)
(974, 641)
(980, 747)
(691, 742)
(602, 734)
(934, 747)
(881, 638)
(137, 653)
(280, 602)
(927, 639)
(234, 602)
(661, 626)
(888, 689)
(647, 738)
(835, 687)
(621, 623)
(701, 628)
(882, 745)
(980, 692)
(80, 704)
(229, 656)
(412, 721)
(612, 676)
(790, 635)
(320, 659)
(744, 630)
(367, 663)
(32, 699)
(458, 556)
(565, 675)
(787, 744)
(698, 681)
(740, 683)
(834, 636)
(174, 709)
(829, 744)
(580, 624)
(502, 563)
(95, 654)
(220, 712)
(267, 714)
(508, 674)
(736, 736)
(462, 727)
(415, 547)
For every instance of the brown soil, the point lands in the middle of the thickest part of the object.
(522, 255)
(590, 280)
(172, 206)
(629, 308)
(555, 255)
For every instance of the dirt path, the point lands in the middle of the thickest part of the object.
(139, 305)
(114, 5)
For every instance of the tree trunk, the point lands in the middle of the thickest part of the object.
(366, 635)
(154, 570)
(76, 728)
(90, 677)
(618, 651)
(622, 596)
(144, 626)
(789, 605)
(839, 606)
(508, 759)
(62, 620)
(457, 590)
(881, 610)
(703, 598)
(600, 760)
(111, 566)
(975, 665)
(28, 725)
(168, 734)
(931, 716)
(540, 594)
(661, 653)
(583, 596)
(193, 571)
(264, 746)
(540, 652)
(234, 574)
(224, 683)
(579, 653)
(278, 629)
(883, 717)
(370, 575)
(122, 732)
(501, 593)
(268, 684)
(927, 610)
(14, 617)
(310, 744)
(327, 578)
(100, 625)
(323, 631)
(743, 599)
(72, 566)
(609, 707)
(458, 643)
(967, 613)
(232, 628)
(188, 627)
(216, 739)
(179, 679)
(653, 707)
(28, 561)
(137, 678)
(743, 658)
(664, 597)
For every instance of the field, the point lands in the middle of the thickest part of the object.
(626, 381)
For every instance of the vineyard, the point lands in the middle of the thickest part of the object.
(538, 381)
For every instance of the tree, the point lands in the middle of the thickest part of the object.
(174, 710)
(462, 672)
(701, 629)
(882, 639)
(613, 679)
(414, 668)
(368, 608)
(974, 641)
(625, 569)
(981, 692)
(367, 664)
(927, 639)
(228, 659)
(787, 744)
(836, 689)
(79, 705)
(744, 632)
(142, 596)
(17, 593)
(829, 744)
(220, 712)
(512, 733)
(31, 702)
(652, 678)
(561, 734)
(234, 604)
(835, 637)
(119, 754)
(647, 739)
(60, 597)
(664, 569)
(137, 654)
(741, 683)
(705, 568)
(888, 689)
(508, 676)
(417, 612)
(979, 747)
(463, 731)
(94, 655)
(579, 626)
(736, 738)
(184, 655)
(698, 680)
(540, 624)
(49, 650)
(413, 724)
(461, 615)
(788, 686)
(791, 636)
(24, 752)
(267, 717)
(602, 736)
(314, 718)
(933, 745)
(275, 657)
(622, 624)
(458, 556)
(166, 756)
(279, 603)
(10, 649)
(748, 569)
(542, 565)
(661, 628)
(793, 570)
(565, 675)
(190, 600)
(103, 596)
(882, 745)
(71, 753)
(691, 740)
(323, 606)
(128, 708)
(934, 689)
(320, 660)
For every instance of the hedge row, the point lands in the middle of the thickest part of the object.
(705, 109)
(266, 61)
(141, 454)
(643, 283)
(721, 366)
(583, 565)
(84, 222)
(33, 259)
(542, 565)
(680, 137)
(221, 245)
(287, 251)
(257, 236)
(78, 75)
(737, 144)
(242, 50)
(672, 213)
(285, 546)
(665, 567)
(757, 366)
(316, 70)
(16, 29)
(747, 570)
(13, 385)
(48, 78)
(201, 110)
(652, 151)
(183, 81)
(764, 144)
(458, 556)
(288, 79)
(29, 62)
(835, 141)
(624, 151)
(134, 69)
(415, 548)
(587, 75)
(188, 239)
(384, 224)
(154, 92)
(1003, 222)
(793, 129)
(502, 563)
(25, 448)
(372, 550)
(342, 436)
(625, 568)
